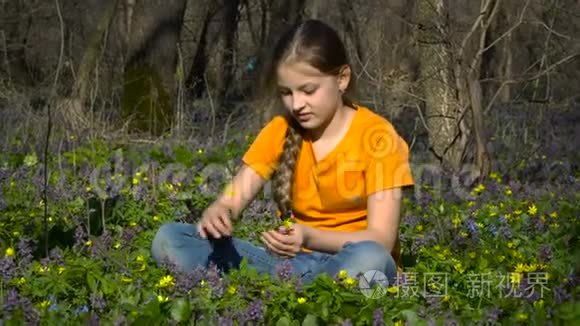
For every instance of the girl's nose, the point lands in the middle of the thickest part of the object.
(298, 102)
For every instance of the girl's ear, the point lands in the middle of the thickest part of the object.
(344, 75)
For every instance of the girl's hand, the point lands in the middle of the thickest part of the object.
(285, 242)
(216, 221)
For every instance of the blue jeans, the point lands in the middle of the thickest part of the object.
(182, 245)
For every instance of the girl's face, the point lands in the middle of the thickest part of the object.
(310, 96)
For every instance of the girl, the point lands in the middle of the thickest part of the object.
(337, 171)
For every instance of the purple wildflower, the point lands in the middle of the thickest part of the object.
(25, 250)
(106, 240)
(7, 269)
(529, 291)
(12, 301)
(346, 322)
(94, 320)
(255, 312)
(225, 321)
(419, 243)
(186, 281)
(411, 221)
(505, 232)
(284, 270)
(98, 303)
(127, 237)
(2, 200)
(378, 317)
(214, 280)
(493, 314)
(80, 237)
(56, 256)
(82, 310)
(492, 229)
(561, 295)
(545, 253)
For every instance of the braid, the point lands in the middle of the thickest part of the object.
(284, 176)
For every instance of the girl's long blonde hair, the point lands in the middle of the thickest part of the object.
(318, 45)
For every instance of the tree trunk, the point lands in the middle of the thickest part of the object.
(230, 15)
(73, 108)
(149, 87)
(443, 110)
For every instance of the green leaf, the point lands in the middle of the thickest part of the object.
(410, 316)
(180, 310)
(92, 282)
(310, 320)
(283, 321)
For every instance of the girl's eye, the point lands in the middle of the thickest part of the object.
(310, 91)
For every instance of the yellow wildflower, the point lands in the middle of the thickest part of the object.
(232, 289)
(126, 279)
(169, 187)
(393, 289)
(166, 281)
(531, 268)
(44, 304)
(21, 280)
(43, 269)
(162, 299)
(479, 189)
(138, 174)
(495, 176)
(88, 189)
(522, 316)
(117, 245)
(456, 221)
(508, 192)
(349, 281)
(61, 269)
(342, 274)
(9, 252)
(155, 218)
(399, 323)
(301, 300)
(554, 214)
(532, 210)
(288, 223)
(140, 258)
(89, 243)
(133, 224)
(520, 268)
(419, 227)
(135, 181)
(517, 212)
(510, 245)
(515, 278)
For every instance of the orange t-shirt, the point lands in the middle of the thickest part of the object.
(331, 193)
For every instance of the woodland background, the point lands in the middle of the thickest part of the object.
(443, 71)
